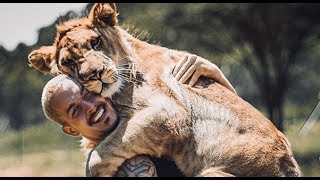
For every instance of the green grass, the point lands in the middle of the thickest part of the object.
(60, 163)
(36, 139)
(41, 150)
(306, 148)
(44, 150)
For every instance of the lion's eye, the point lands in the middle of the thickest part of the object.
(95, 43)
(68, 62)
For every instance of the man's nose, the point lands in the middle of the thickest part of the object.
(89, 106)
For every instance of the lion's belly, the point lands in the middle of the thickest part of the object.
(230, 137)
(212, 125)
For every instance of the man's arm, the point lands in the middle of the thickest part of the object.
(138, 166)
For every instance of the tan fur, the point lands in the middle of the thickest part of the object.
(207, 130)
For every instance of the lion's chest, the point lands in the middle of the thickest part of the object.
(136, 97)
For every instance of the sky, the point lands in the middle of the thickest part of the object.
(20, 22)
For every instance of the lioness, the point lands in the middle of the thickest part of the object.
(207, 131)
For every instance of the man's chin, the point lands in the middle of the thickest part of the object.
(114, 126)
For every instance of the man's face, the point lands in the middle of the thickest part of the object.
(86, 113)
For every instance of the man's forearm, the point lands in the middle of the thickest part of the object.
(138, 166)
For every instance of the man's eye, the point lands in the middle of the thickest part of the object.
(95, 43)
(75, 111)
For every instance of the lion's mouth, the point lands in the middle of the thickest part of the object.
(106, 82)
(105, 86)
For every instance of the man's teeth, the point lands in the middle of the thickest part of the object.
(98, 116)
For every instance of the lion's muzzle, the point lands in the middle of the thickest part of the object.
(98, 68)
(92, 160)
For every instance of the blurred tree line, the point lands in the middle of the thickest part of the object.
(269, 52)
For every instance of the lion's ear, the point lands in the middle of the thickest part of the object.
(104, 14)
(43, 59)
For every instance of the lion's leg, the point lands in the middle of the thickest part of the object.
(143, 134)
(214, 172)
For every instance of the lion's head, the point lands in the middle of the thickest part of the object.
(90, 49)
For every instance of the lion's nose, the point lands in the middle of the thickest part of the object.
(96, 73)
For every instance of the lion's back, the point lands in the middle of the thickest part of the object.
(242, 133)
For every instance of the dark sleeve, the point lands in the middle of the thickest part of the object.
(166, 167)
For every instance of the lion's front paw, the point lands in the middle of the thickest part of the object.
(97, 167)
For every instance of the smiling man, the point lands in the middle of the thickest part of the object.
(78, 111)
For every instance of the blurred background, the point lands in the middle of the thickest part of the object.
(269, 52)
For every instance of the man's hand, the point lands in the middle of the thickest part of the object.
(196, 66)
(138, 166)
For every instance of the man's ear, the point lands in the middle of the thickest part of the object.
(103, 14)
(70, 130)
(43, 59)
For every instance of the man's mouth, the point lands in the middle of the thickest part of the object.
(99, 114)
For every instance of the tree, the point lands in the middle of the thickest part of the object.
(276, 33)
(269, 36)
(21, 85)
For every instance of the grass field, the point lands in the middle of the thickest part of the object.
(41, 150)
(306, 148)
(44, 151)
(43, 164)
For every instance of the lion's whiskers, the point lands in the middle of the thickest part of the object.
(126, 78)
(124, 69)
